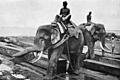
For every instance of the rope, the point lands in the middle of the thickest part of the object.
(69, 56)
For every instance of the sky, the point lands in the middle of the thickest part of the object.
(23, 17)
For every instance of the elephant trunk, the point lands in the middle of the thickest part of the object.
(27, 50)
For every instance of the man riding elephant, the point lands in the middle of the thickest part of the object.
(89, 18)
(96, 33)
(64, 19)
(65, 13)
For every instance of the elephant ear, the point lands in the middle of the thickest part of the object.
(55, 36)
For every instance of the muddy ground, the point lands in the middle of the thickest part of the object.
(7, 67)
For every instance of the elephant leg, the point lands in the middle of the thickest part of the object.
(53, 61)
(79, 60)
(72, 62)
(103, 43)
(90, 53)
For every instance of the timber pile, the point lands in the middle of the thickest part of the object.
(36, 68)
(39, 67)
(101, 68)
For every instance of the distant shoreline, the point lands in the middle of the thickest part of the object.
(29, 31)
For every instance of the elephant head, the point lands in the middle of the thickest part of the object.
(42, 41)
(43, 37)
(99, 33)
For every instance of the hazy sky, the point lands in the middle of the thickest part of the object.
(32, 13)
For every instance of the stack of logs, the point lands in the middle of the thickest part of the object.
(105, 68)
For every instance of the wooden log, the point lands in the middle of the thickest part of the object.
(112, 61)
(34, 67)
(8, 50)
(102, 67)
(42, 63)
(5, 45)
(29, 69)
(95, 75)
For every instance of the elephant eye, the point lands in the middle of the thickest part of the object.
(42, 40)
(46, 37)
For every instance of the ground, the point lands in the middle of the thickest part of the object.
(9, 66)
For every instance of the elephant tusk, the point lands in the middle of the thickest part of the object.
(104, 48)
(107, 47)
(39, 56)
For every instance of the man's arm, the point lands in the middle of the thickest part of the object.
(61, 11)
(64, 18)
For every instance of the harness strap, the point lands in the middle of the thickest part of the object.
(65, 37)
(62, 27)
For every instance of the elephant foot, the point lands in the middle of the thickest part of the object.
(76, 72)
(47, 77)
(73, 72)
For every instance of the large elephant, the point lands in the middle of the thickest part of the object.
(95, 33)
(43, 42)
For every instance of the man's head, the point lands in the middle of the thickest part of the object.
(65, 3)
(90, 13)
(112, 37)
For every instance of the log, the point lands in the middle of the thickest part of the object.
(112, 61)
(95, 75)
(42, 63)
(34, 67)
(29, 69)
(102, 67)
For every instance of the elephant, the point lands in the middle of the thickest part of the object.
(97, 32)
(71, 45)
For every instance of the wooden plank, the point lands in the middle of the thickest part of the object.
(112, 61)
(106, 59)
(95, 75)
(102, 67)
(42, 63)
(34, 67)
(5, 45)
(8, 50)
(29, 69)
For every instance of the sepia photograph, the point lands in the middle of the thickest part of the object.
(59, 40)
